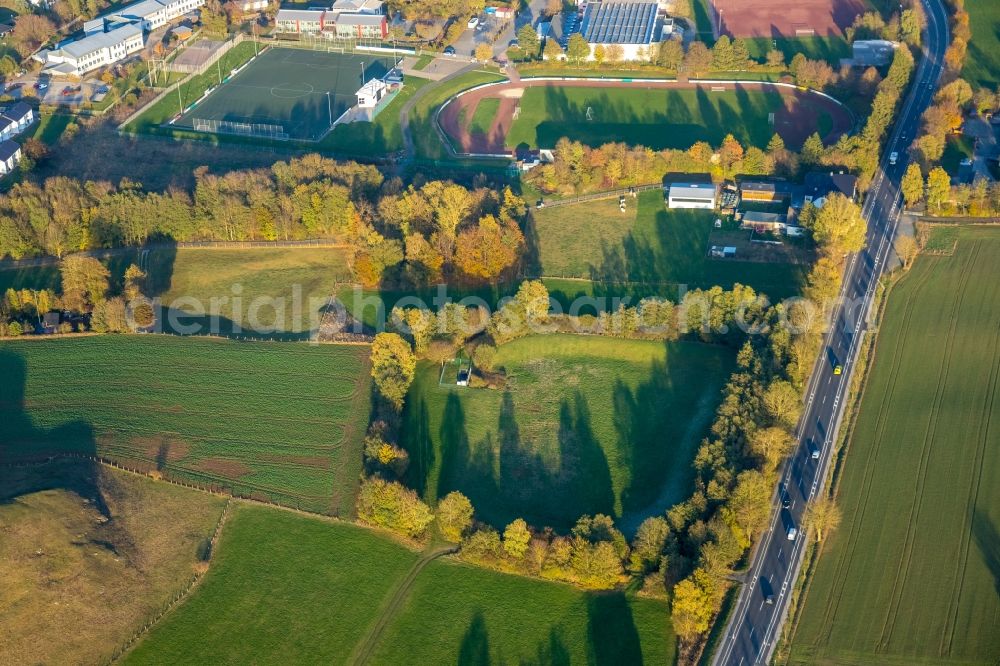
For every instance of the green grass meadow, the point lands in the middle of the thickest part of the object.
(379, 137)
(637, 116)
(285, 588)
(462, 614)
(831, 49)
(282, 588)
(282, 422)
(913, 573)
(281, 289)
(483, 116)
(956, 148)
(278, 292)
(585, 425)
(647, 244)
(982, 66)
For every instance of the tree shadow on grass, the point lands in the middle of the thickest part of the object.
(612, 637)
(984, 531)
(30, 456)
(506, 476)
(475, 647)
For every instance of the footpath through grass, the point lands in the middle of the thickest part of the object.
(910, 577)
(285, 588)
(657, 118)
(648, 244)
(282, 588)
(280, 421)
(584, 425)
(427, 143)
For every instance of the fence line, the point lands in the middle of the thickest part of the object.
(606, 194)
(182, 594)
(201, 69)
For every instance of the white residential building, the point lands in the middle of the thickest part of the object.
(10, 156)
(15, 119)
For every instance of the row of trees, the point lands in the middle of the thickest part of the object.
(87, 294)
(705, 536)
(978, 199)
(424, 232)
(905, 26)
(580, 168)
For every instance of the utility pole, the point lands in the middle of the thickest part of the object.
(329, 107)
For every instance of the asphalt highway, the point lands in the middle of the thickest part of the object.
(755, 625)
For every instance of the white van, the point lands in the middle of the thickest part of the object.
(792, 533)
(473, 22)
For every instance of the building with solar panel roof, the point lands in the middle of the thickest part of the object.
(629, 25)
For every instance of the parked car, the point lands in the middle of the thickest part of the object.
(449, 50)
(473, 22)
(513, 44)
(41, 85)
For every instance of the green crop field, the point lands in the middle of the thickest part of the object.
(279, 421)
(911, 576)
(656, 118)
(585, 425)
(649, 244)
(982, 66)
(284, 588)
(465, 615)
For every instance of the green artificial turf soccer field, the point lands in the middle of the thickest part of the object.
(301, 91)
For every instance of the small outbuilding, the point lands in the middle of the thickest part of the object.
(692, 195)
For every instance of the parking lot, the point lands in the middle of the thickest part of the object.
(57, 91)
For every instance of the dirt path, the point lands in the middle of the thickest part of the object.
(795, 121)
(363, 652)
(404, 113)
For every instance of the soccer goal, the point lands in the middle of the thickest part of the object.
(260, 130)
